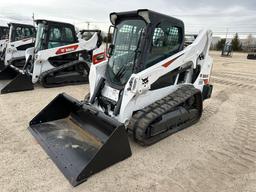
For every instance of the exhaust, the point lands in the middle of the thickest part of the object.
(80, 140)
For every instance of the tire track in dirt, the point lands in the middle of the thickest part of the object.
(233, 83)
(215, 104)
(222, 169)
(236, 77)
(230, 63)
(246, 80)
(242, 74)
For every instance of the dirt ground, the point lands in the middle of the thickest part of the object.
(216, 154)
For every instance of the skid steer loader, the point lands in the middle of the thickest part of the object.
(20, 38)
(4, 31)
(58, 58)
(150, 87)
(251, 56)
(227, 50)
(189, 39)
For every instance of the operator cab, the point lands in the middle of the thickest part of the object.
(227, 49)
(141, 39)
(4, 31)
(20, 32)
(20, 38)
(132, 52)
(53, 34)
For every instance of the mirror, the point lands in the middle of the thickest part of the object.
(109, 39)
(111, 50)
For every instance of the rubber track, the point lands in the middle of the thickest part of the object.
(60, 68)
(142, 119)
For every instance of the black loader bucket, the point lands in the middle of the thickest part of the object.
(251, 56)
(80, 140)
(13, 80)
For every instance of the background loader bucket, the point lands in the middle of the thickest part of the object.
(13, 81)
(80, 140)
(251, 56)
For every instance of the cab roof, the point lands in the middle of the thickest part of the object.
(20, 24)
(4, 27)
(52, 22)
(147, 15)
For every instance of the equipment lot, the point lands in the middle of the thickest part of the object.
(216, 154)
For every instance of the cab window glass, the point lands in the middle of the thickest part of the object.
(166, 41)
(69, 35)
(60, 36)
(21, 32)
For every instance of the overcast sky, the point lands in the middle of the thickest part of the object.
(218, 15)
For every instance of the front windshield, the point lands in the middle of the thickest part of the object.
(39, 37)
(126, 39)
(21, 32)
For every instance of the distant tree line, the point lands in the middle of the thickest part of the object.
(237, 45)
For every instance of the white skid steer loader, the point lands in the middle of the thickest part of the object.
(58, 58)
(20, 38)
(227, 50)
(150, 87)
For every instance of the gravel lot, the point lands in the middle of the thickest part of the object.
(216, 154)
